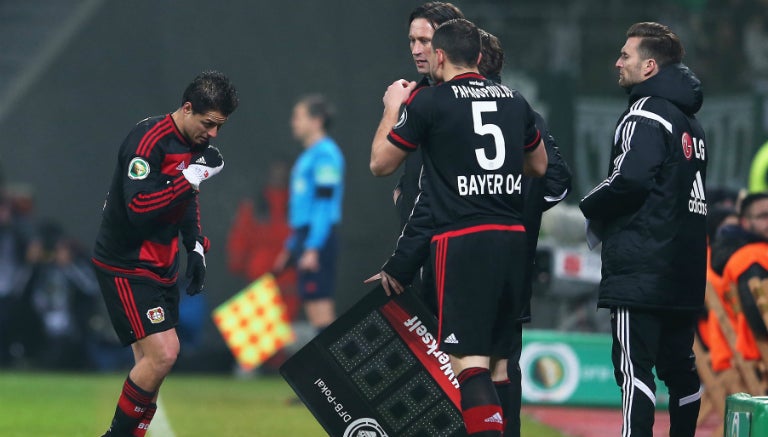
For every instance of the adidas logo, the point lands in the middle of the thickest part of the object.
(698, 202)
(201, 160)
(451, 339)
(496, 418)
(181, 166)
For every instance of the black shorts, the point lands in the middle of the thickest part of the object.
(322, 283)
(138, 307)
(479, 281)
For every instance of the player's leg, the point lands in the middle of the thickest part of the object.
(634, 350)
(470, 287)
(316, 289)
(502, 385)
(480, 406)
(320, 312)
(513, 390)
(676, 366)
(143, 426)
(144, 315)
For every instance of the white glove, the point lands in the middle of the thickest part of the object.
(203, 167)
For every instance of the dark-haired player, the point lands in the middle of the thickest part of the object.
(151, 200)
(477, 138)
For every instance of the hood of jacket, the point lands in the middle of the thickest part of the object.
(675, 83)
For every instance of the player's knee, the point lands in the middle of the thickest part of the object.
(164, 359)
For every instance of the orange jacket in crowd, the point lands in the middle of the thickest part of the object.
(748, 262)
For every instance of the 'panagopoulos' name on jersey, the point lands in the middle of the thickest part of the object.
(481, 92)
(428, 339)
(493, 183)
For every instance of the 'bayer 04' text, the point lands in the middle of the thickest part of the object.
(494, 183)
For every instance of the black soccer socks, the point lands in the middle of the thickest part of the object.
(134, 402)
(480, 405)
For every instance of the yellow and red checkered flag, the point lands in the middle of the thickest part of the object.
(254, 322)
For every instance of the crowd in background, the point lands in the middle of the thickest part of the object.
(51, 314)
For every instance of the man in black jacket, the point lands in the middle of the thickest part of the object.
(650, 213)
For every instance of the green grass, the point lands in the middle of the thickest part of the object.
(72, 405)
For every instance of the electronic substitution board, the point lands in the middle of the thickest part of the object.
(377, 371)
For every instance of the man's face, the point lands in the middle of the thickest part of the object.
(199, 128)
(420, 35)
(756, 219)
(435, 65)
(630, 65)
(302, 124)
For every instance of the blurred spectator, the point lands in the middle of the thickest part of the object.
(63, 293)
(13, 275)
(722, 197)
(259, 231)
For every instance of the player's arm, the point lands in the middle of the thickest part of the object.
(412, 248)
(196, 245)
(633, 171)
(557, 180)
(535, 164)
(535, 159)
(147, 192)
(385, 156)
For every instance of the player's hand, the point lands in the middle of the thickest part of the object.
(389, 283)
(396, 195)
(204, 166)
(196, 270)
(397, 93)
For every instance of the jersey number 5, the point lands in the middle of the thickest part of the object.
(484, 129)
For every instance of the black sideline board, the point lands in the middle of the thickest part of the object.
(377, 372)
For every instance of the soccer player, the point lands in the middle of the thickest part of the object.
(540, 195)
(478, 138)
(151, 200)
(421, 26)
(314, 210)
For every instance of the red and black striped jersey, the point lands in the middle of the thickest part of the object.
(473, 133)
(148, 204)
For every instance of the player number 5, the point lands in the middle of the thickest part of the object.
(484, 129)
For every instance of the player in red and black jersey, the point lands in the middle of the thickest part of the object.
(152, 199)
(478, 138)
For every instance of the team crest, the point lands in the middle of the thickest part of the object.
(138, 169)
(156, 315)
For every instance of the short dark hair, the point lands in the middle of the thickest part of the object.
(747, 202)
(493, 56)
(211, 91)
(319, 107)
(715, 218)
(460, 40)
(436, 13)
(657, 42)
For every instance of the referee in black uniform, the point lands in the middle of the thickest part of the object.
(478, 137)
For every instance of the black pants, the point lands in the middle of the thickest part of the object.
(643, 340)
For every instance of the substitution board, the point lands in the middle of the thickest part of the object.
(377, 371)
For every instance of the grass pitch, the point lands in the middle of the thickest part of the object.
(72, 405)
